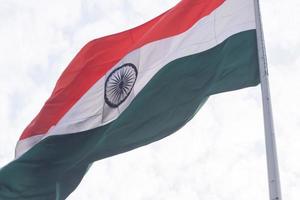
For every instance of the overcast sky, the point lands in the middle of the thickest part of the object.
(219, 155)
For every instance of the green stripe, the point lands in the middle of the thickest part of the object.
(53, 168)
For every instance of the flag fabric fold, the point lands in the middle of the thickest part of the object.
(129, 89)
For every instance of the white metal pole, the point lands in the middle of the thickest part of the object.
(272, 162)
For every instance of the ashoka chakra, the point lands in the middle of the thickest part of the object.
(119, 84)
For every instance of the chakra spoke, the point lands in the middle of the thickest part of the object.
(119, 84)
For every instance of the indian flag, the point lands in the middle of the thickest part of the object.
(132, 88)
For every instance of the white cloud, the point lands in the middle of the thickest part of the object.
(281, 26)
(219, 155)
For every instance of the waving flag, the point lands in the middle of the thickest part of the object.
(129, 89)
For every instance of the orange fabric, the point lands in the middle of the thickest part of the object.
(100, 55)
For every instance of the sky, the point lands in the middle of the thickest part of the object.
(219, 155)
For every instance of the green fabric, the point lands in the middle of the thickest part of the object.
(52, 169)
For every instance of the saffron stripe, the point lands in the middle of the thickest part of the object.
(99, 55)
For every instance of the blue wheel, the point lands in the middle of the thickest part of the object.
(119, 84)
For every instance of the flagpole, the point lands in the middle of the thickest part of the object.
(272, 162)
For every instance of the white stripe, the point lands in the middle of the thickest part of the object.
(26, 144)
(91, 111)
